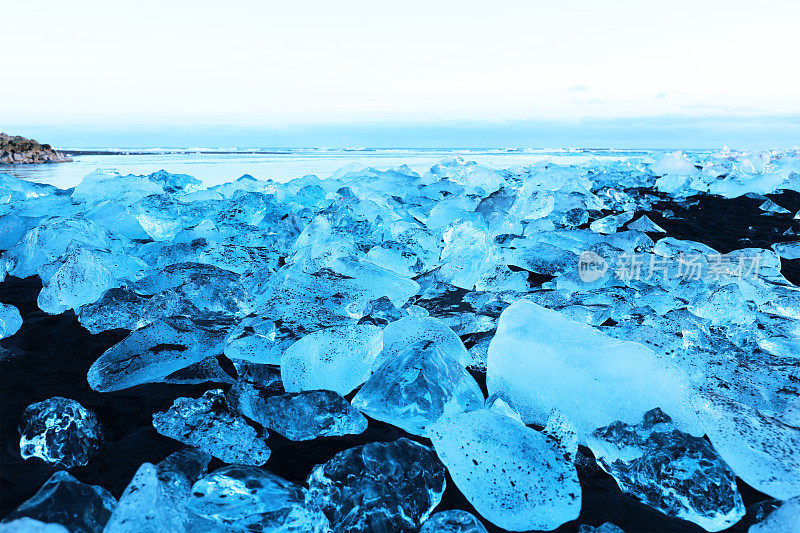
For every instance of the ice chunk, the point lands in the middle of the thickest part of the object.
(724, 305)
(762, 450)
(29, 525)
(65, 500)
(542, 360)
(258, 339)
(161, 216)
(49, 240)
(60, 431)
(678, 474)
(511, 474)
(209, 423)
(606, 527)
(246, 498)
(390, 486)
(10, 320)
(788, 250)
(414, 388)
(400, 334)
(338, 359)
(611, 223)
(452, 521)
(102, 185)
(784, 519)
(117, 308)
(468, 254)
(208, 287)
(12, 229)
(771, 207)
(302, 416)
(82, 275)
(644, 224)
(153, 352)
(145, 507)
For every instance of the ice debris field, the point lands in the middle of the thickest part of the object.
(518, 327)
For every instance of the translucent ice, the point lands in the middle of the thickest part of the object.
(511, 474)
(153, 352)
(452, 521)
(29, 525)
(65, 500)
(82, 275)
(302, 416)
(400, 334)
(678, 474)
(643, 223)
(338, 359)
(414, 388)
(611, 223)
(10, 320)
(145, 507)
(246, 498)
(762, 450)
(784, 519)
(390, 486)
(209, 424)
(60, 431)
(542, 360)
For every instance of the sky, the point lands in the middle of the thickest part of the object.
(200, 72)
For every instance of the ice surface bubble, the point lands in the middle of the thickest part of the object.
(414, 388)
(390, 486)
(678, 474)
(10, 320)
(338, 359)
(511, 474)
(246, 498)
(542, 360)
(209, 424)
(66, 501)
(452, 521)
(302, 416)
(61, 432)
(762, 450)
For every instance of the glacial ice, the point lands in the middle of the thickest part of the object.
(153, 352)
(541, 360)
(10, 320)
(302, 416)
(61, 432)
(338, 359)
(761, 449)
(30, 525)
(414, 388)
(330, 283)
(400, 334)
(511, 474)
(247, 498)
(678, 474)
(784, 519)
(452, 521)
(210, 424)
(390, 486)
(66, 501)
(144, 507)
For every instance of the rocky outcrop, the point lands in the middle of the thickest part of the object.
(18, 150)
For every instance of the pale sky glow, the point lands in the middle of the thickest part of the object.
(265, 63)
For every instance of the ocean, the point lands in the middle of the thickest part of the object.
(219, 165)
